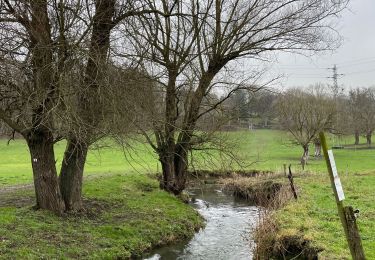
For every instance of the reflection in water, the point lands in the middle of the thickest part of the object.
(226, 235)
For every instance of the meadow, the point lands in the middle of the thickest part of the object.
(258, 149)
(120, 182)
(314, 216)
(106, 158)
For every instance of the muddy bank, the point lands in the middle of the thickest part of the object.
(271, 194)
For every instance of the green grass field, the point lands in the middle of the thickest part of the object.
(259, 149)
(119, 180)
(15, 165)
(270, 149)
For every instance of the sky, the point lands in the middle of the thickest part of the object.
(355, 59)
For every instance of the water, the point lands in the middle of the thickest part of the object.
(227, 234)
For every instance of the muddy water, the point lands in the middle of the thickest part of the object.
(227, 234)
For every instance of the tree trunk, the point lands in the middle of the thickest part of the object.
(305, 156)
(306, 152)
(40, 139)
(89, 106)
(71, 174)
(318, 148)
(47, 189)
(356, 138)
(368, 138)
(174, 172)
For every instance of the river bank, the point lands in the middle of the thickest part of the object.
(125, 215)
(225, 236)
(314, 216)
(309, 227)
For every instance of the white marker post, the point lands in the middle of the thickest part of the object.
(336, 178)
(346, 214)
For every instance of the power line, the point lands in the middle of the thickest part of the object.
(348, 63)
(358, 63)
(360, 72)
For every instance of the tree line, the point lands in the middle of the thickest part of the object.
(306, 111)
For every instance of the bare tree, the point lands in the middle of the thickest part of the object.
(362, 113)
(304, 114)
(194, 45)
(46, 96)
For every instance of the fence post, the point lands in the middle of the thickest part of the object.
(290, 177)
(346, 214)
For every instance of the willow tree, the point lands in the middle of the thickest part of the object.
(193, 46)
(53, 66)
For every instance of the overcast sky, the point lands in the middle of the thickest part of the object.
(355, 58)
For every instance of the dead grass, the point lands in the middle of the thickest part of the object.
(271, 192)
(271, 245)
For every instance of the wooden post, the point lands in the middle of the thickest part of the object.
(290, 177)
(355, 238)
(285, 169)
(346, 214)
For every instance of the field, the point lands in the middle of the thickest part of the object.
(118, 180)
(259, 149)
(15, 166)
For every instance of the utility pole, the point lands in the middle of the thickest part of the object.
(335, 86)
(336, 94)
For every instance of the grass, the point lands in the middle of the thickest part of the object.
(259, 149)
(126, 212)
(15, 166)
(315, 214)
(139, 215)
(270, 149)
(126, 215)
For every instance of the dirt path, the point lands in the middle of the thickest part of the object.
(21, 195)
(17, 195)
(15, 188)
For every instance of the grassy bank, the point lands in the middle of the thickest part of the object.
(314, 215)
(125, 215)
(309, 226)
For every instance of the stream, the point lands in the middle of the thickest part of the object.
(227, 234)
